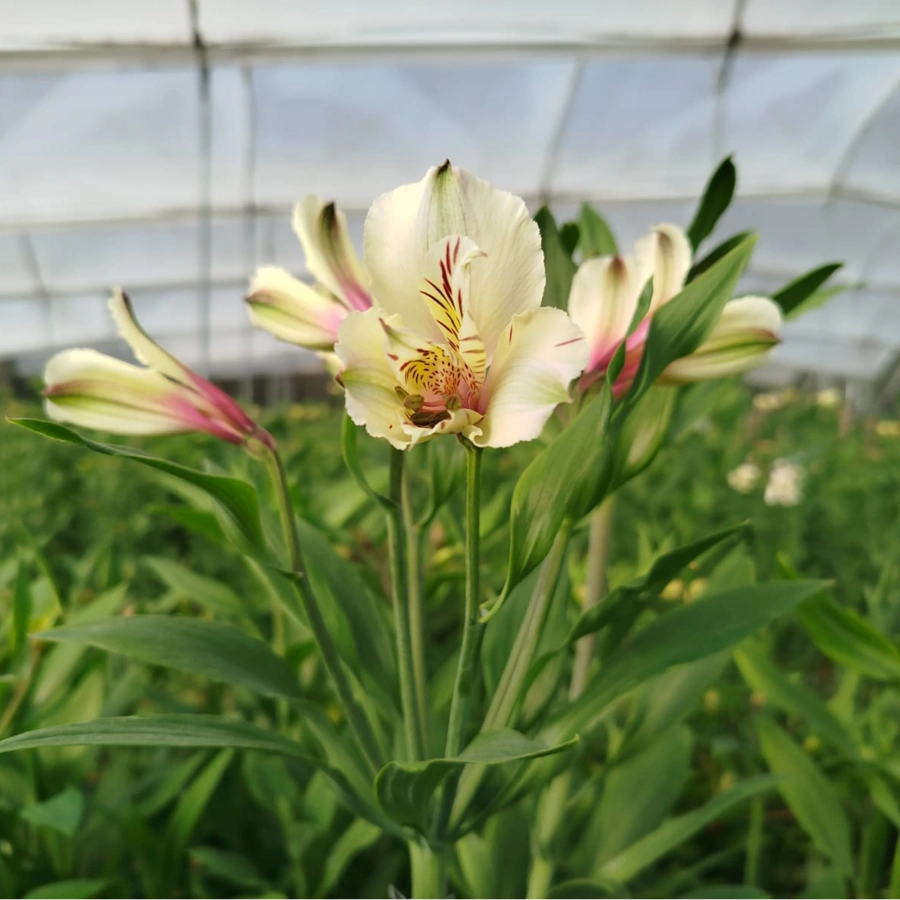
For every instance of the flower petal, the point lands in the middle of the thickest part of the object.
(370, 383)
(292, 310)
(745, 333)
(537, 357)
(602, 302)
(330, 256)
(404, 224)
(664, 254)
(92, 390)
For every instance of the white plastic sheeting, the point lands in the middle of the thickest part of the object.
(160, 146)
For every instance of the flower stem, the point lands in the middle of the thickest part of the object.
(416, 613)
(428, 870)
(327, 649)
(599, 532)
(464, 685)
(505, 702)
(466, 669)
(412, 721)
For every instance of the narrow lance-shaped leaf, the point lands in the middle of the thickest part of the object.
(792, 296)
(715, 200)
(810, 795)
(845, 636)
(404, 789)
(710, 625)
(716, 254)
(235, 499)
(558, 263)
(212, 649)
(660, 573)
(595, 236)
(625, 865)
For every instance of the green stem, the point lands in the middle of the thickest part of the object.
(464, 685)
(554, 799)
(540, 877)
(330, 657)
(413, 726)
(599, 532)
(505, 702)
(416, 612)
(21, 690)
(466, 668)
(754, 841)
(428, 871)
(894, 886)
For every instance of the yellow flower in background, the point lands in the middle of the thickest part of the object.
(310, 315)
(164, 396)
(457, 342)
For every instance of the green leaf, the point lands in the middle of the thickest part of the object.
(191, 805)
(664, 568)
(638, 794)
(716, 254)
(712, 624)
(680, 326)
(595, 236)
(810, 795)
(674, 832)
(716, 199)
(562, 482)
(359, 836)
(845, 636)
(201, 589)
(212, 649)
(404, 789)
(72, 888)
(558, 263)
(232, 868)
(582, 889)
(796, 292)
(350, 445)
(62, 813)
(185, 730)
(763, 676)
(234, 499)
(569, 235)
(727, 892)
(21, 612)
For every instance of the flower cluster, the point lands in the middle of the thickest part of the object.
(440, 331)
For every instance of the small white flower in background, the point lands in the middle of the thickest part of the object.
(785, 485)
(772, 400)
(829, 398)
(744, 478)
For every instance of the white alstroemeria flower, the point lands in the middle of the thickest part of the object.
(163, 396)
(604, 299)
(310, 315)
(785, 485)
(458, 341)
(744, 477)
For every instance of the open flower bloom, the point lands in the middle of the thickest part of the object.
(458, 341)
(309, 315)
(163, 396)
(605, 295)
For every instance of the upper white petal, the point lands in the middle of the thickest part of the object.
(404, 224)
(537, 357)
(602, 302)
(664, 254)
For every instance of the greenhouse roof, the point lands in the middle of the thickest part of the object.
(161, 146)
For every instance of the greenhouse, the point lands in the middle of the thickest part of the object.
(450, 451)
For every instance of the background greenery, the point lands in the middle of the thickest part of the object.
(813, 700)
